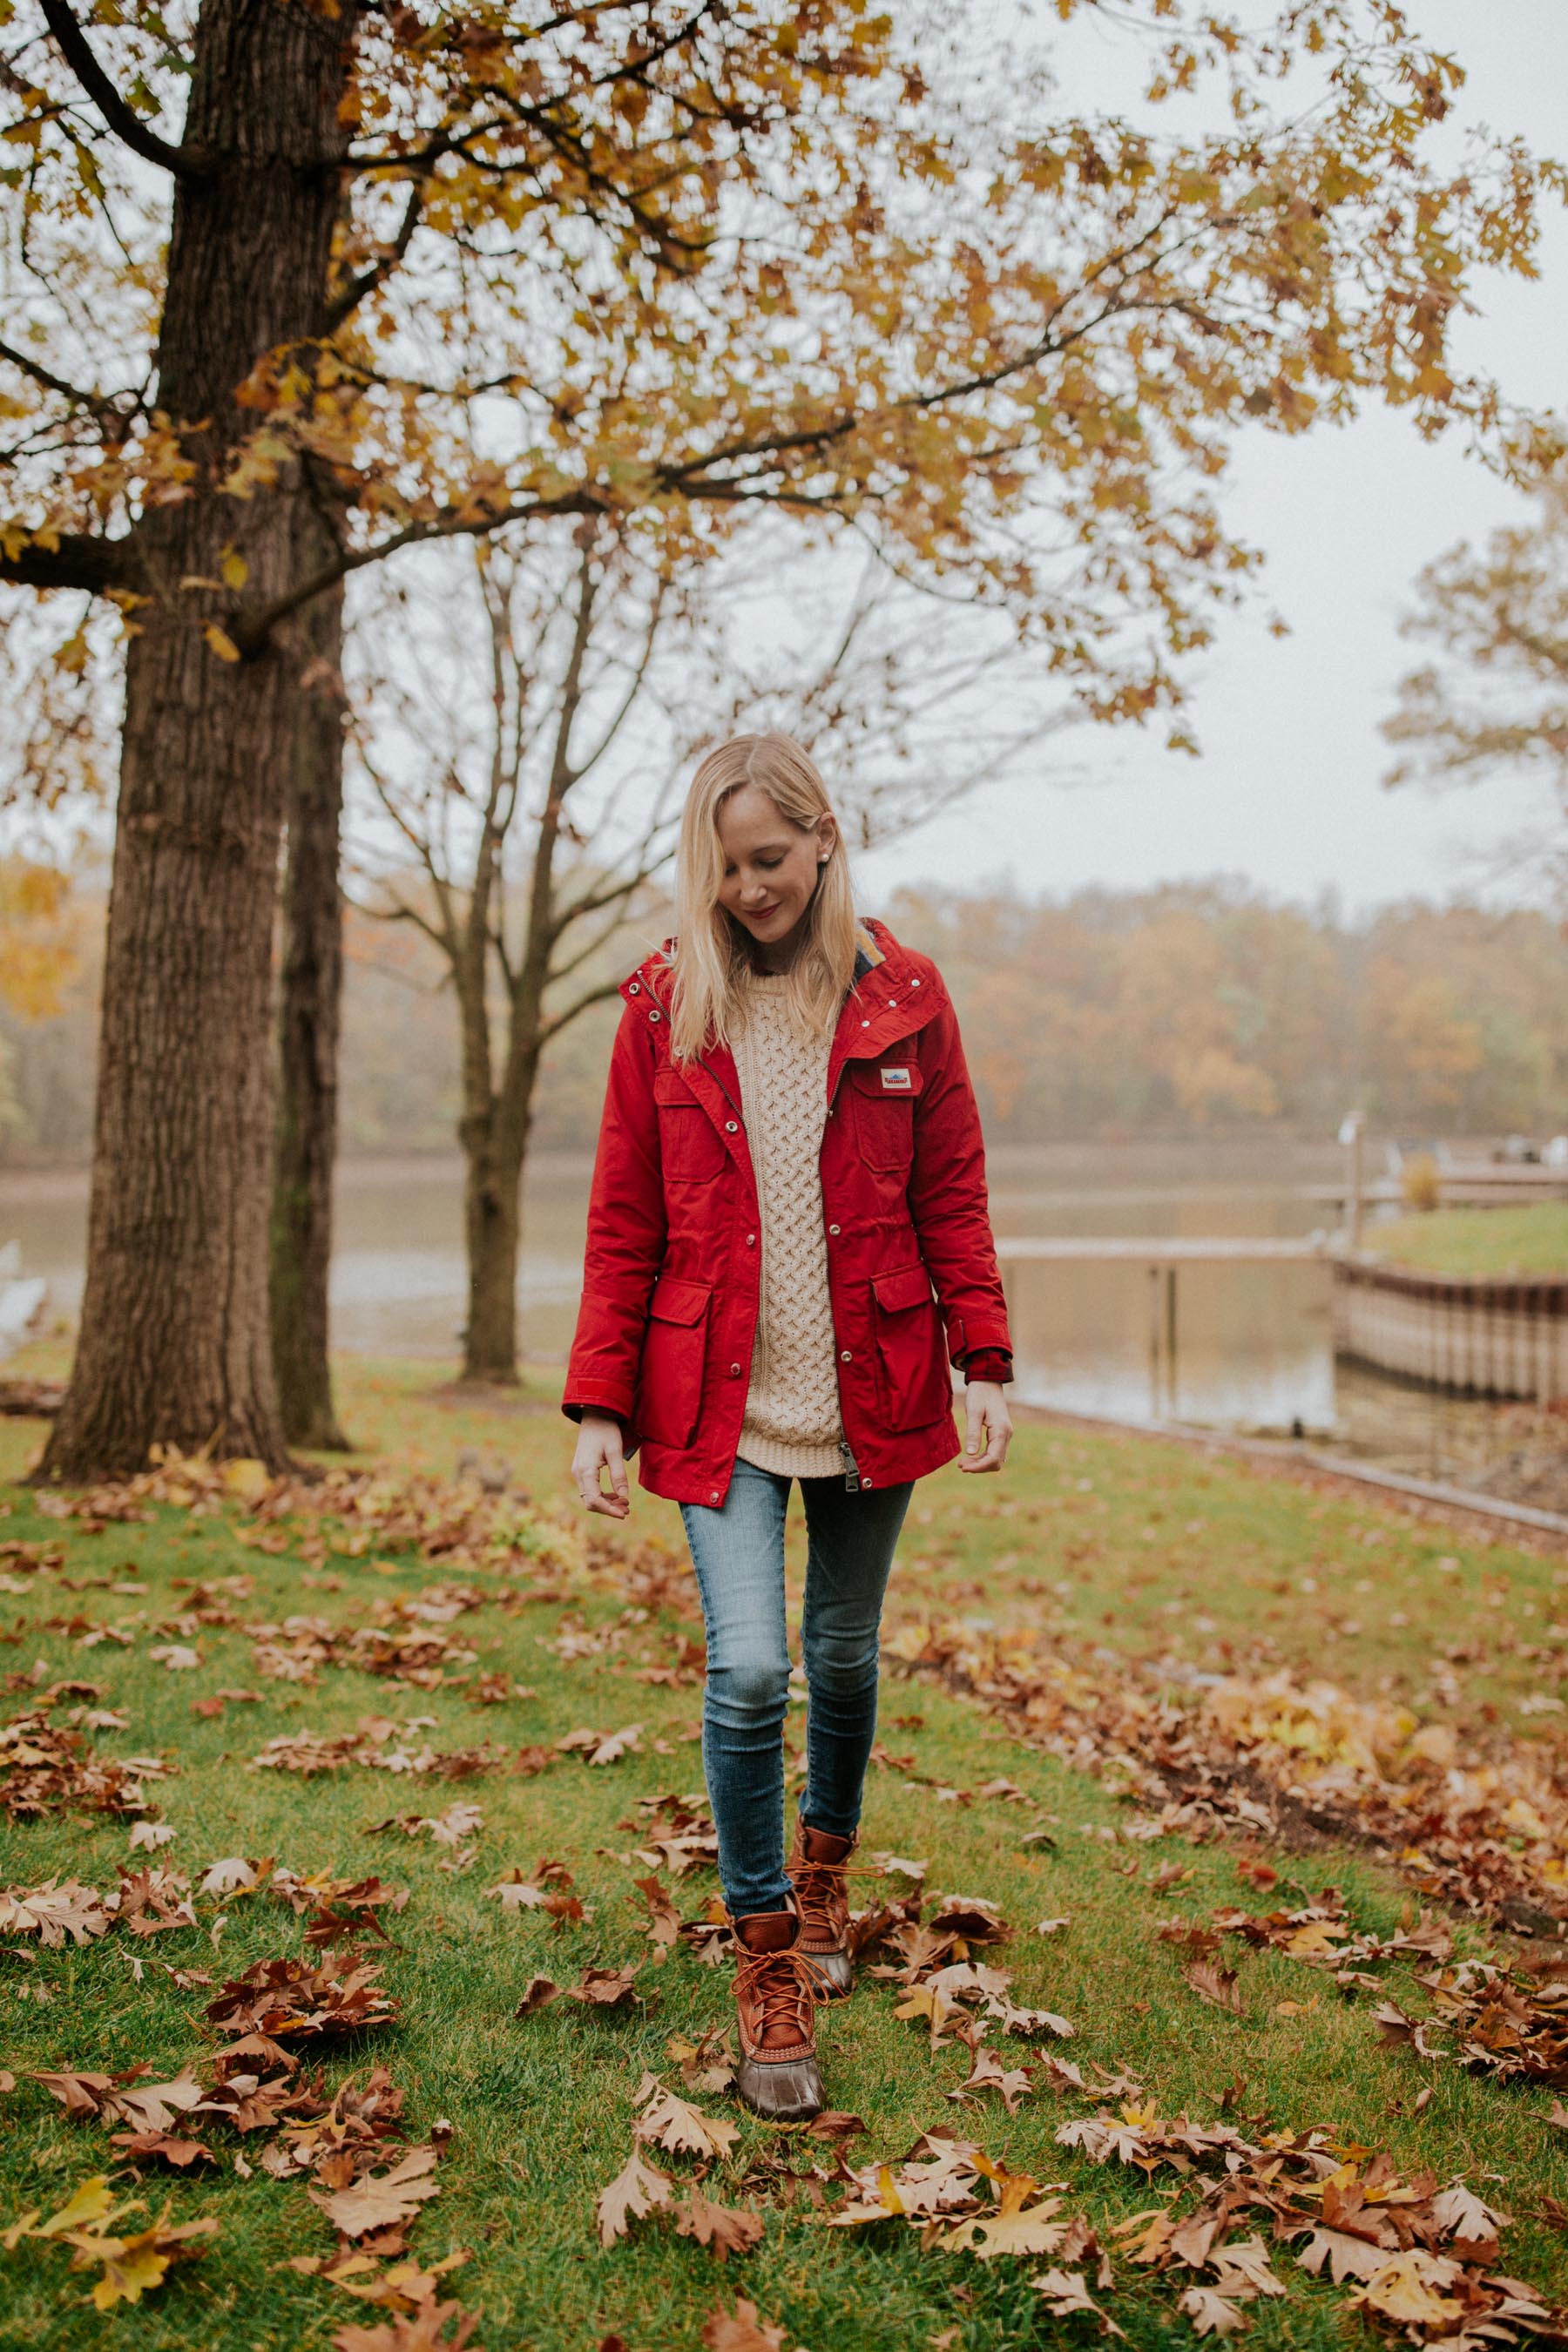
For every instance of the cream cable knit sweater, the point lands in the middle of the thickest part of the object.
(792, 1422)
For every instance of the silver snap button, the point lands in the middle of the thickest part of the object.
(845, 1358)
(914, 984)
(833, 1229)
(714, 1495)
(867, 1484)
(735, 1372)
(730, 1128)
(654, 1016)
(751, 1241)
(633, 988)
(865, 1025)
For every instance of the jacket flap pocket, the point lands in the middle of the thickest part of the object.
(910, 1286)
(892, 1079)
(670, 1086)
(679, 1302)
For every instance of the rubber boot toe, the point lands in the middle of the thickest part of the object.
(787, 2092)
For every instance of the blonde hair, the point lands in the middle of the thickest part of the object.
(712, 958)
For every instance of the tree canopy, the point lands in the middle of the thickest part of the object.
(684, 260)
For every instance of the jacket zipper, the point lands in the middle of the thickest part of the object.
(851, 1468)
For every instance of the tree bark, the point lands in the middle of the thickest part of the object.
(174, 1343)
(309, 999)
(495, 1146)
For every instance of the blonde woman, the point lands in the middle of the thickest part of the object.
(788, 1243)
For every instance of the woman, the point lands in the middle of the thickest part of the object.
(790, 1161)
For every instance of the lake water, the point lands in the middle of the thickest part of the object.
(1254, 1345)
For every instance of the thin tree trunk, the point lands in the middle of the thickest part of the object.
(175, 1343)
(310, 996)
(495, 1146)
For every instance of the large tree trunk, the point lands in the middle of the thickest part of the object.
(174, 1342)
(310, 996)
(495, 1146)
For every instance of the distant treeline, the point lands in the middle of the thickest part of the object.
(1196, 1008)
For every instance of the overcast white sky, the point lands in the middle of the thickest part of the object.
(1286, 790)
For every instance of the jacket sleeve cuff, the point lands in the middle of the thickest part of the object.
(988, 1364)
(577, 1401)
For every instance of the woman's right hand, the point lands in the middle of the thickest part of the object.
(599, 1448)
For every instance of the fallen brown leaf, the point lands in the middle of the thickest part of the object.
(536, 1995)
(424, 2330)
(742, 2330)
(1215, 1983)
(636, 2190)
(723, 2230)
(381, 2199)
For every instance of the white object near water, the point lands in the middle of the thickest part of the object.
(21, 1299)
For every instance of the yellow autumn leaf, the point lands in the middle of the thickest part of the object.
(246, 1478)
(1315, 1935)
(235, 570)
(1406, 2289)
(220, 641)
(131, 2265)
(93, 2201)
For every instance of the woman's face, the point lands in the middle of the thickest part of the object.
(770, 866)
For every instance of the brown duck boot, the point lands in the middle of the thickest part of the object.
(816, 1869)
(777, 2073)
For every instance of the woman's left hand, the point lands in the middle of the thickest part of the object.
(990, 1426)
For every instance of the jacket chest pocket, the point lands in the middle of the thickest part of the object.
(675, 1348)
(881, 1097)
(689, 1151)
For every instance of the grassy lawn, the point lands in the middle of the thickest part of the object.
(1140, 1550)
(1533, 1240)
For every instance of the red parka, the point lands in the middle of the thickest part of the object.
(672, 1275)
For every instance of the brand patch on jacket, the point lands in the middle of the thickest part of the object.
(896, 1081)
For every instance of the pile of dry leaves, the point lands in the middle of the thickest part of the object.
(45, 1769)
(349, 2147)
(1223, 1752)
(1418, 2256)
(380, 1745)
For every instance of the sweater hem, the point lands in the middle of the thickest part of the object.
(791, 1461)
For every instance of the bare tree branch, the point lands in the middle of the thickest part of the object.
(184, 162)
(74, 562)
(344, 304)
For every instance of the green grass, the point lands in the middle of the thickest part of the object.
(1533, 1240)
(1142, 1546)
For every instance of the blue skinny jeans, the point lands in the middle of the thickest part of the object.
(738, 1551)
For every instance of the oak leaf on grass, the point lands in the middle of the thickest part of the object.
(381, 2199)
(431, 2326)
(987, 2073)
(1242, 2268)
(1215, 1983)
(634, 2192)
(1066, 2295)
(608, 1987)
(670, 2121)
(1407, 2290)
(1015, 2227)
(724, 2230)
(537, 1993)
(742, 2330)
(1210, 2314)
(58, 1908)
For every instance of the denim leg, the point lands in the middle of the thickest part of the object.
(737, 1553)
(852, 1541)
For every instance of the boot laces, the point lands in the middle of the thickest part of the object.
(817, 1884)
(783, 1985)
